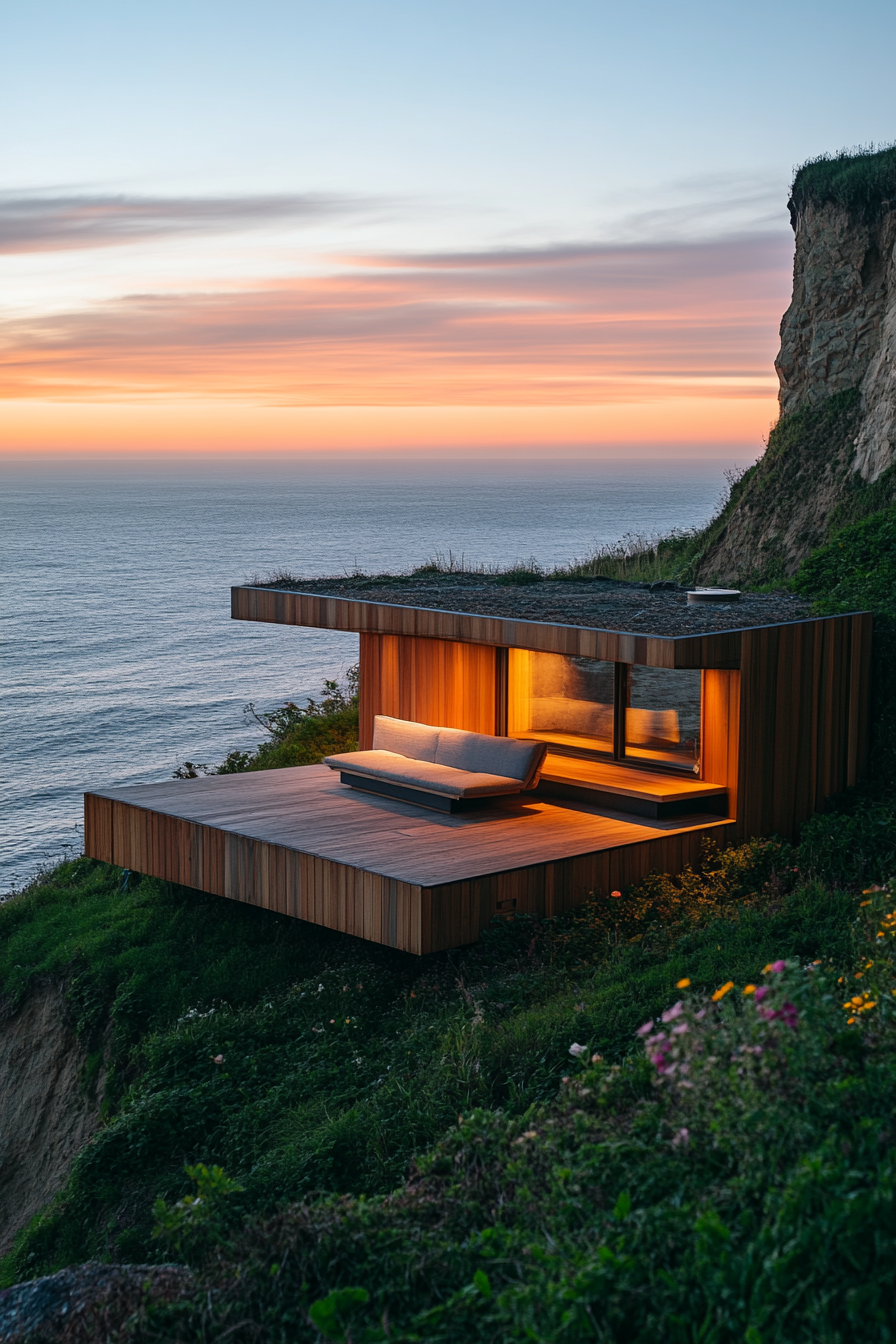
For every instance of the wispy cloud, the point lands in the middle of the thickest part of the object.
(48, 222)
(563, 325)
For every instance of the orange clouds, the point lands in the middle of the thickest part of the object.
(589, 344)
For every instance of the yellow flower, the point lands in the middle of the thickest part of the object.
(749, 989)
(766, 969)
(849, 1021)
(720, 993)
(682, 984)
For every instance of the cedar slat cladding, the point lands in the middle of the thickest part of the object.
(380, 869)
(803, 719)
(428, 680)
(337, 613)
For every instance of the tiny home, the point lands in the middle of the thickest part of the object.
(664, 723)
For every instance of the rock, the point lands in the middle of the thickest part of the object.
(86, 1303)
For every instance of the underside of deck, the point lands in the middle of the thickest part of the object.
(299, 842)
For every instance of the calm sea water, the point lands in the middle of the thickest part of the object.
(121, 660)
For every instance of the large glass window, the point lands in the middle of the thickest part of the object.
(648, 716)
(566, 701)
(662, 717)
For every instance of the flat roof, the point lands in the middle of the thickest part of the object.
(626, 622)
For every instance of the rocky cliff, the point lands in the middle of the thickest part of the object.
(831, 458)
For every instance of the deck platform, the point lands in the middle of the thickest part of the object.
(299, 842)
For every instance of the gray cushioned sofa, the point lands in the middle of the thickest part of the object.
(443, 768)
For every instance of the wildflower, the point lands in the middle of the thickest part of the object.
(675, 1011)
(530, 1134)
(721, 992)
(645, 1030)
(659, 1060)
(776, 966)
(617, 894)
(762, 993)
(749, 989)
(653, 1041)
(681, 1138)
(680, 1029)
(577, 1050)
(347, 1020)
(218, 1059)
(698, 1017)
(597, 1059)
(683, 984)
(332, 1021)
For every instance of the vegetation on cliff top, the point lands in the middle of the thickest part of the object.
(862, 180)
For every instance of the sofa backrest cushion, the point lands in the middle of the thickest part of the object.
(478, 753)
(416, 740)
(482, 754)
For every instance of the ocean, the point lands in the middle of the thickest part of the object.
(121, 660)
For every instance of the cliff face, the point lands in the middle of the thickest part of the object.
(840, 329)
(831, 456)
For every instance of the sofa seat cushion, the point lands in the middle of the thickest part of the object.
(427, 775)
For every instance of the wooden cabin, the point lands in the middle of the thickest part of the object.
(656, 744)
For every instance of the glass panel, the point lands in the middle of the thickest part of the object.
(565, 701)
(662, 720)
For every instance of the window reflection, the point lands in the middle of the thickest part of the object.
(569, 703)
(565, 701)
(662, 717)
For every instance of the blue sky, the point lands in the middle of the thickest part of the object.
(274, 140)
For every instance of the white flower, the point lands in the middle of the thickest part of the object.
(576, 1050)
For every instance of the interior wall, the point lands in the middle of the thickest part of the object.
(720, 730)
(437, 681)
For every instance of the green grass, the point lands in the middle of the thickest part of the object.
(341, 1060)
(861, 180)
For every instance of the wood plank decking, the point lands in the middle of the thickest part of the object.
(299, 842)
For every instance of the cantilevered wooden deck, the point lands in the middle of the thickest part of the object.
(299, 842)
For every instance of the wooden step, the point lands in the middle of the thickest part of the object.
(645, 793)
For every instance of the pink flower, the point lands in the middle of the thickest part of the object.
(698, 1017)
(659, 1039)
(576, 1050)
(659, 1059)
(778, 966)
(675, 1011)
(218, 1059)
(646, 1029)
(680, 1029)
(762, 993)
(682, 1138)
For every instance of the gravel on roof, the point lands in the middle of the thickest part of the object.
(602, 604)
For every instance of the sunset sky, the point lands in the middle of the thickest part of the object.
(490, 227)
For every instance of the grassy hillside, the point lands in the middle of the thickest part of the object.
(479, 1145)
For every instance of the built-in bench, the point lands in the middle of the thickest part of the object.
(644, 793)
(442, 768)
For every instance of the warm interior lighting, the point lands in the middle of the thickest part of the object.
(577, 704)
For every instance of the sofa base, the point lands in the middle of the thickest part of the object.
(438, 802)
